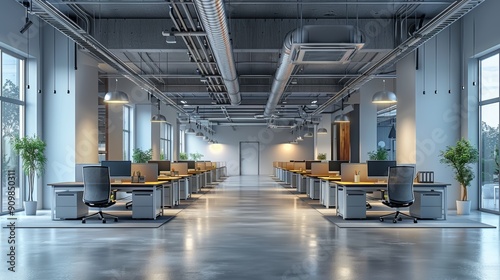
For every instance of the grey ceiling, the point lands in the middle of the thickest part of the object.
(132, 31)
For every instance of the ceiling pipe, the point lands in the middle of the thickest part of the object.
(330, 35)
(213, 17)
(283, 72)
(446, 18)
(58, 20)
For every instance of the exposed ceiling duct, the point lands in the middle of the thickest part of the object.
(213, 18)
(312, 44)
(446, 18)
(48, 13)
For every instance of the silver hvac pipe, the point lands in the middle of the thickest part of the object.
(213, 18)
(283, 72)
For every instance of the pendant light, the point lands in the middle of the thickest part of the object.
(116, 97)
(158, 118)
(342, 118)
(384, 97)
(190, 130)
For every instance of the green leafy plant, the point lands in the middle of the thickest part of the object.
(196, 156)
(32, 153)
(321, 156)
(459, 157)
(140, 156)
(379, 154)
(183, 156)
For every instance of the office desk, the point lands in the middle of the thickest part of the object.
(373, 186)
(328, 191)
(172, 196)
(314, 185)
(124, 186)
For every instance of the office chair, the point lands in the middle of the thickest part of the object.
(399, 191)
(97, 191)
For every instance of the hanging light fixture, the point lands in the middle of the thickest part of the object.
(384, 97)
(190, 130)
(308, 134)
(199, 133)
(392, 133)
(322, 131)
(116, 97)
(158, 117)
(342, 118)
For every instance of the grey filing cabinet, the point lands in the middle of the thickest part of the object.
(427, 205)
(69, 205)
(144, 205)
(352, 203)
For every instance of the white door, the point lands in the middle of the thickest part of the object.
(249, 158)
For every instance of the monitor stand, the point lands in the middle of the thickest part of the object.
(381, 181)
(117, 181)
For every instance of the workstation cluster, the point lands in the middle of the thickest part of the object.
(153, 186)
(345, 186)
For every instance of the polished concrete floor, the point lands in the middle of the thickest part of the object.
(250, 227)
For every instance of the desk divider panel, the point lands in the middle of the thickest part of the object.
(181, 167)
(289, 165)
(148, 170)
(299, 166)
(201, 165)
(347, 171)
(319, 169)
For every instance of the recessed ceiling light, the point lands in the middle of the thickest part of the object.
(183, 101)
(314, 101)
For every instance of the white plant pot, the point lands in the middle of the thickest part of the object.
(463, 207)
(30, 208)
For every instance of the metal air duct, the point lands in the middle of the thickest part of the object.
(213, 18)
(312, 44)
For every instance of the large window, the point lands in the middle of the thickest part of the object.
(12, 118)
(127, 127)
(166, 141)
(489, 102)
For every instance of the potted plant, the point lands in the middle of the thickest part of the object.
(321, 156)
(140, 156)
(459, 157)
(183, 156)
(379, 154)
(32, 153)
(196, 156)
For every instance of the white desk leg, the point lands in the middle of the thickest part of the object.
(53, 204)
(445, 192)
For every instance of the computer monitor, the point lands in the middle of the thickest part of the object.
(163, 165)
(334, 165)
(379, 169)
(308, 163)
(191, 163)
(118, 168)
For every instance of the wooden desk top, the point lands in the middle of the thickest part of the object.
(384, 184)
(77, 184)
(331, 178)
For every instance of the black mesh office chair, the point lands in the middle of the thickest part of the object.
(399, 191)
(97, 190)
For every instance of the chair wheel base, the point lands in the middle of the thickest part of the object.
(103, 221)
(381, 219)
(84, 221)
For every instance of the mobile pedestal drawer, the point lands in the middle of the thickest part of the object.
(69, 205)
(427, 205)
(352, 203)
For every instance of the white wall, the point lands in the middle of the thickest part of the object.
(274, 146)
(69, 119)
